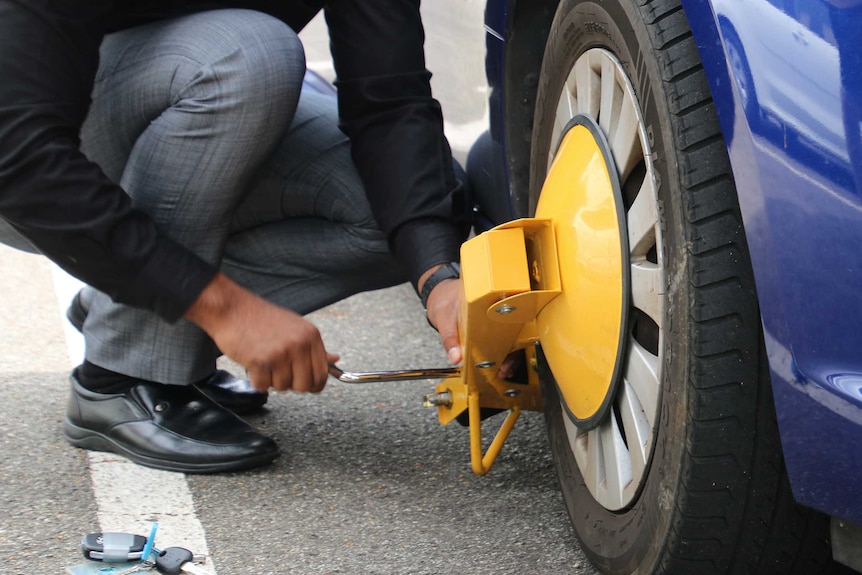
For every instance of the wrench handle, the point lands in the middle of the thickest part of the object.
(400, 375)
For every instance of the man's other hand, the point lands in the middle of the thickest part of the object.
(278, 347)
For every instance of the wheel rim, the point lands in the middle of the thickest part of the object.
(613, 456)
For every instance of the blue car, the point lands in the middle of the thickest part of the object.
(728, 438)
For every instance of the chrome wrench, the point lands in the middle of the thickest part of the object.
(398, 375)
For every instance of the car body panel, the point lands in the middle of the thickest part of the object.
(783, 74)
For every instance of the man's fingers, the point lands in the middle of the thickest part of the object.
(449, 338)
(510, 365)
(260, 377)
(455, 355)
(320, 367)
(304, 371)
(283, 377)
(303, 380)
(451, 343)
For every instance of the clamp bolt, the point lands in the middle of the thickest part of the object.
(485, 364)
(505, 309)
(512, 392)
(444, 399)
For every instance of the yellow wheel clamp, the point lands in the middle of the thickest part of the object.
(559, 280)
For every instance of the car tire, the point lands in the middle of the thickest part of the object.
(714, 496)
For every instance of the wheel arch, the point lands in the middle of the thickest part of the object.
(528, 26)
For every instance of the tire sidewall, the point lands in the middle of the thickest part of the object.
(631, 541)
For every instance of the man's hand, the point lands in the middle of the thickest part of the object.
(278, 347)
(442, 310)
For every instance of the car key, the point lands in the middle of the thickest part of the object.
(197, 558)
(113, 547)
(176, 560)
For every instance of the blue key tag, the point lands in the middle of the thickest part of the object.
(151, 541)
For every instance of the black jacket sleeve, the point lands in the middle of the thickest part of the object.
(396, 128)
(50, 192)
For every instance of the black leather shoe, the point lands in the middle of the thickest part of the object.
(170, 427)
(231, 392)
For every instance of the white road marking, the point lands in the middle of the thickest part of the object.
(129, 497)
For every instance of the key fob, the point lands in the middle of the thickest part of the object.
(176, 560)
(113, 547)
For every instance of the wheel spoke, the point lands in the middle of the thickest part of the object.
(596, 459)
(647, 289)
(624, 140)
(637, 428)
(587, 449)
(618, 467)
(641, 377)
(641, 221)
(565, 110)
(588, 88)
(611, 96)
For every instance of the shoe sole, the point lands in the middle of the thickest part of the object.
(94, 441)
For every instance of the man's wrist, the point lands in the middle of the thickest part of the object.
(434, 276)
(213, 304)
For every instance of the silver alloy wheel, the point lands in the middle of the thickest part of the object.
(613, 458)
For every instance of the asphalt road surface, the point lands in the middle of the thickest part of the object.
(369, 482)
